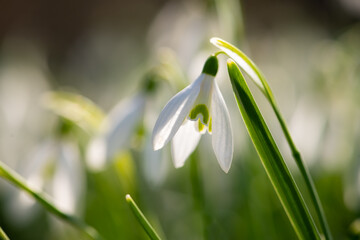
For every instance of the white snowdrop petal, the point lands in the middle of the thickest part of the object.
(222, 139)
(96, 153)
(174, 113)
(122, 121)
(184, 143)
(68, 180)
(154, 166)
(117, 129)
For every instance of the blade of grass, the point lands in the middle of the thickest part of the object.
(142, 219)
(75, 108)
(44, 200)
(271, 158)
(256, 75)
(3, 235)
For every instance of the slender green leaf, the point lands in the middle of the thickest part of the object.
(44, 200)
(244, 62)
(3, 235)
(256, 75)
(75, 108)
(271, 158)
(142, 219)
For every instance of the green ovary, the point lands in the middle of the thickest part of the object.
(200, 109)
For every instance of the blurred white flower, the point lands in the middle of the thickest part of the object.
(198, 108)
(54, 167)
(116, 131)
(154, 169)
(120, 125)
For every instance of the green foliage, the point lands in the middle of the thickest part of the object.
(256, 75)
(142, 219)
(75, 108)
(271, 158)
(3, 235)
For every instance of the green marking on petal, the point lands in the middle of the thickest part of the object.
(210, 126)
(200, 126)
(200, 109)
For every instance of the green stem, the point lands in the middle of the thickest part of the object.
(142, 219)
(271, 158)
(246, 64)
(198, 192)
(3, 235)
(44, 200)
(305, 174)
(218, 53)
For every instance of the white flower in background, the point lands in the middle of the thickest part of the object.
(154, 168)
(119, 127)
(197, 109)
(55, 168)
(116, 130)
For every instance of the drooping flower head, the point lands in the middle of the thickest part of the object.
(118, 126)
(197, 109)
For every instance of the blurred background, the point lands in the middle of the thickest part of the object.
(82, 83)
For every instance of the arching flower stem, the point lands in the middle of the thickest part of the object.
(256, 75)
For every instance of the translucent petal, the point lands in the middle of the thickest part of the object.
(118, 128)
(41, 158)
(154, 166)
(68, 179)
(222, 139)
(21, 207)
(123, 120)
(96, 153)
(201, 107)
(174, 113)
(184, 143)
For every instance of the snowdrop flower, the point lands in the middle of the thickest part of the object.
(116, 131)
(197, 109)
(119, 127)
(54, 167)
